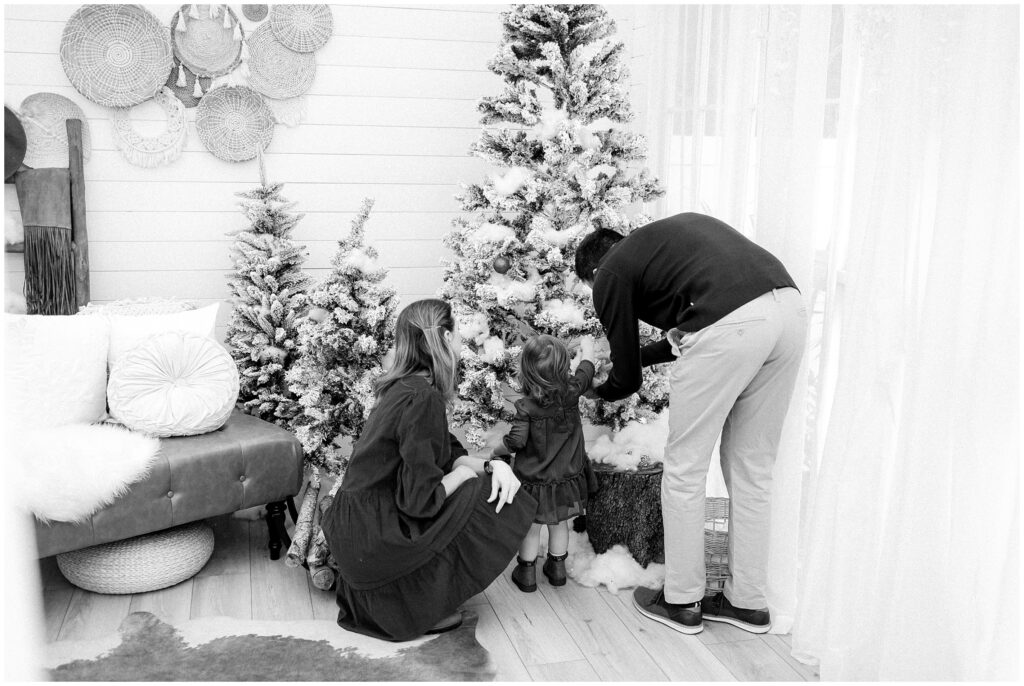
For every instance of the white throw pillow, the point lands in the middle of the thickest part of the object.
(55, 369)
(127, 331)
(173, 384)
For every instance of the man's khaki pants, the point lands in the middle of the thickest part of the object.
(733, 378)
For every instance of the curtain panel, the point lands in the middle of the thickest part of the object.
(875, 150)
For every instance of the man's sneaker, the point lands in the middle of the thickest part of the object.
(684, 618)
(717, 608)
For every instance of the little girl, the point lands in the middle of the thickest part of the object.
(550, 461)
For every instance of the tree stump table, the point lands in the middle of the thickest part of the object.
(626, 510)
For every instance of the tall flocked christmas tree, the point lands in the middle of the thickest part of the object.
(566, 166)
(269, 292)
(342, 344)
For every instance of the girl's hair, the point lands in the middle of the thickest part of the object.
(544, 369)
(420, 346)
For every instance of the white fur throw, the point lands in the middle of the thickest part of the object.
(66, 473)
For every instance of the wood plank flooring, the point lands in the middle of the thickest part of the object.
(570, 633)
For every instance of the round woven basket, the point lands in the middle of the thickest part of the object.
(44, 116)
(115, 55)
(275, 70)
(140, 564)
(234, 123)
(206, 46)
(254, 12)
(303, 28)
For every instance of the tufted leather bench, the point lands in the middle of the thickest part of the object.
(245, 463)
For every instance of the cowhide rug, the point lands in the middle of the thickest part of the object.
(223, 649)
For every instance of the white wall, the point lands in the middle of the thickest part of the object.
(391, 115)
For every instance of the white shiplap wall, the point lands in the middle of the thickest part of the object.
(390, 115)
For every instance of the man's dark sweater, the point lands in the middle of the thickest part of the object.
(684, 272)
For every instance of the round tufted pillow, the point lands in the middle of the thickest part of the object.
(174, 383)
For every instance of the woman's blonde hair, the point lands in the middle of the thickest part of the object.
(544, 369)
(420, 346)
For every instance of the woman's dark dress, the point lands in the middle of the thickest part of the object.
(408, 556)
(550, 456)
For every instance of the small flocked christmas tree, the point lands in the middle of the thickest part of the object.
(269, 291)
(342, 344)
(566, 166)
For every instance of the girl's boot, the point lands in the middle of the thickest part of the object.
(524, 576)
(554, 569)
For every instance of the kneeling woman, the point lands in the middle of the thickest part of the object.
(417, 526)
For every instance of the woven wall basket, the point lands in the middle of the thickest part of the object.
(275, 70)
(152, 151)
(140, 564)
(303, 28)
(44, 116)
(255, 12)
(115, 55)
(209, 44)
(234, 123)
(187, 93)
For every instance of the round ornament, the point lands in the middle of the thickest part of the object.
(303, 28)
(501, 264)
(207, 39)
(44, 116)
(254, 12)
(275, 70)
(234, 123)
(152, 151)
(115, 55)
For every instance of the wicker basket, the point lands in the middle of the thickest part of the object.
(716, 543)
(206, 46)
(277, 71)
(234, 123)
(302, 28)
(140, 564)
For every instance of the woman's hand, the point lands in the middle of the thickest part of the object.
(504, 484)
(455, 478)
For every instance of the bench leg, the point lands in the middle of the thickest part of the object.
(275, 528)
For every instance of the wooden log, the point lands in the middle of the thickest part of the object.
(79, 232)
(626, 510)
(304, 526)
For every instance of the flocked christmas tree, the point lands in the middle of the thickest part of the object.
(342, 344)
(566, 165)
(269, 291)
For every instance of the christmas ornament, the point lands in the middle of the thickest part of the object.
(501, 264)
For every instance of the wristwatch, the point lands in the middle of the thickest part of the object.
(488, 467)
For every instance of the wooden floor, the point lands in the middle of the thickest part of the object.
(570, 633)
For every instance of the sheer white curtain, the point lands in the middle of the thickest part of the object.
(875, 150)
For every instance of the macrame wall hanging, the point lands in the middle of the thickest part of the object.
(115, 55)
(152, 151)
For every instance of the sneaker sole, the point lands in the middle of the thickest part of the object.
(676, 626)
(752, 628)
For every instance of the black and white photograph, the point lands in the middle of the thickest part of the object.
(399, 342)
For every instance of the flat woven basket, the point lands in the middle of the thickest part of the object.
(234, 123)
(206, 46)
(44, 117)
(255, 12)
(303, 28)
(115, 55)
(716, 543)
(140, 564)
(275, 70)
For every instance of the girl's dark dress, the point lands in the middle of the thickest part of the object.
(408, 556)
(550, 457)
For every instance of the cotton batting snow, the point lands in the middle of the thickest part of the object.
(492, 349)
(360, 260)
(558, 238)
(511, 181)
(493, 233)
(565, 311)
(475, 327)
(550, 122)
(623, 450)
(615, 568)
(508, 290)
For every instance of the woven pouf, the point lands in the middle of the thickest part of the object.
(140, 564)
